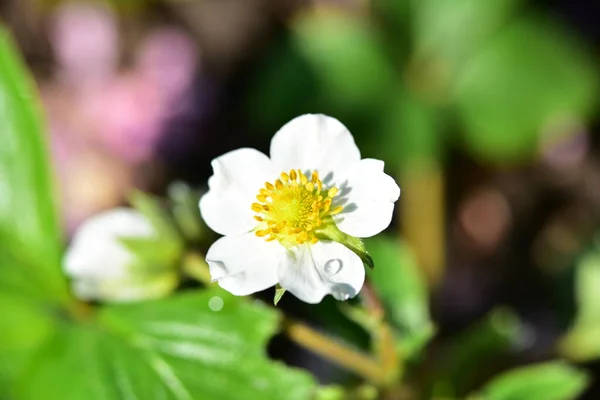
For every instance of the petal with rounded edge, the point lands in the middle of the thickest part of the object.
(314, 142)
(244, 264)
(238, 176)
(95, 250)
(367, 195)
(324, 268)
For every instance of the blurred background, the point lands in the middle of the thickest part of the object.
(485, 112)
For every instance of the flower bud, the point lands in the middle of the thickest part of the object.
(119, 256)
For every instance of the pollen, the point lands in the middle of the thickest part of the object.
(293, 207)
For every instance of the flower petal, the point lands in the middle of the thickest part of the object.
(314, 141)
(244, 264)
(95, 250)
(238, 176)
(368, 196)
(320, 269)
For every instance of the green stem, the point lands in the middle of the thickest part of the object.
(195, 267)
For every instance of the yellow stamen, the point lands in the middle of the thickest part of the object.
(292, 208)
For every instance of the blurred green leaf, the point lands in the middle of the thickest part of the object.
(30, 240)
(549, 381)
(24, 326)
(185, 210)
(285, 86)
(157, 214)
(472, 354)
(587, 288)
(530, 75)
(582, 342)
(29, 226)
(409, 134)
(451, 31)
(177, 348)
(347, 58)
(403, 291)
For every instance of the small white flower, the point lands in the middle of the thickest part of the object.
(272, 210)
(103, 268)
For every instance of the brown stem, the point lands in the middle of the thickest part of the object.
(385, 345)
(344, 356)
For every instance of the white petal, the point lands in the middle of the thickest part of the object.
(127, 289)
(320, 269)
(244, 264)
(95, 250)
(238, 176)
(314, 142)
(368, 196)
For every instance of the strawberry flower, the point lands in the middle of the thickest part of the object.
(285, 218)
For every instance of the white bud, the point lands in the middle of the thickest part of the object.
(103, 268)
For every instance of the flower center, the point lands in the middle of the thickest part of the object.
(293, 207)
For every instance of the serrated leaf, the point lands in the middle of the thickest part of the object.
(531, 74)
(176, 348)
(28, 216)
(403, 292)
(549, 381)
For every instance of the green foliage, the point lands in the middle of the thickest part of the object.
(410, 130)
(548, 381)
(177, 348)
(53, 347)
(23, 329)
(452, 31)
(472, 354)
(28, 216)
(30, 281)
(529, 76)
(354, 73)
(582, 342)
(403, 291)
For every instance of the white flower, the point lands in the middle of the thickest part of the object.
(103, 268)
(271, 211)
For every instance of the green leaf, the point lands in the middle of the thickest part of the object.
(410, 133)
(279, 292)
(529, 76)
(24, 326)
(582, 342)
(157, 214)
(472, 354)
(451, 31)
(402, 289)
(549, 381)
(348, 60)
(185, 210)
(28, 216)
(176, 348)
